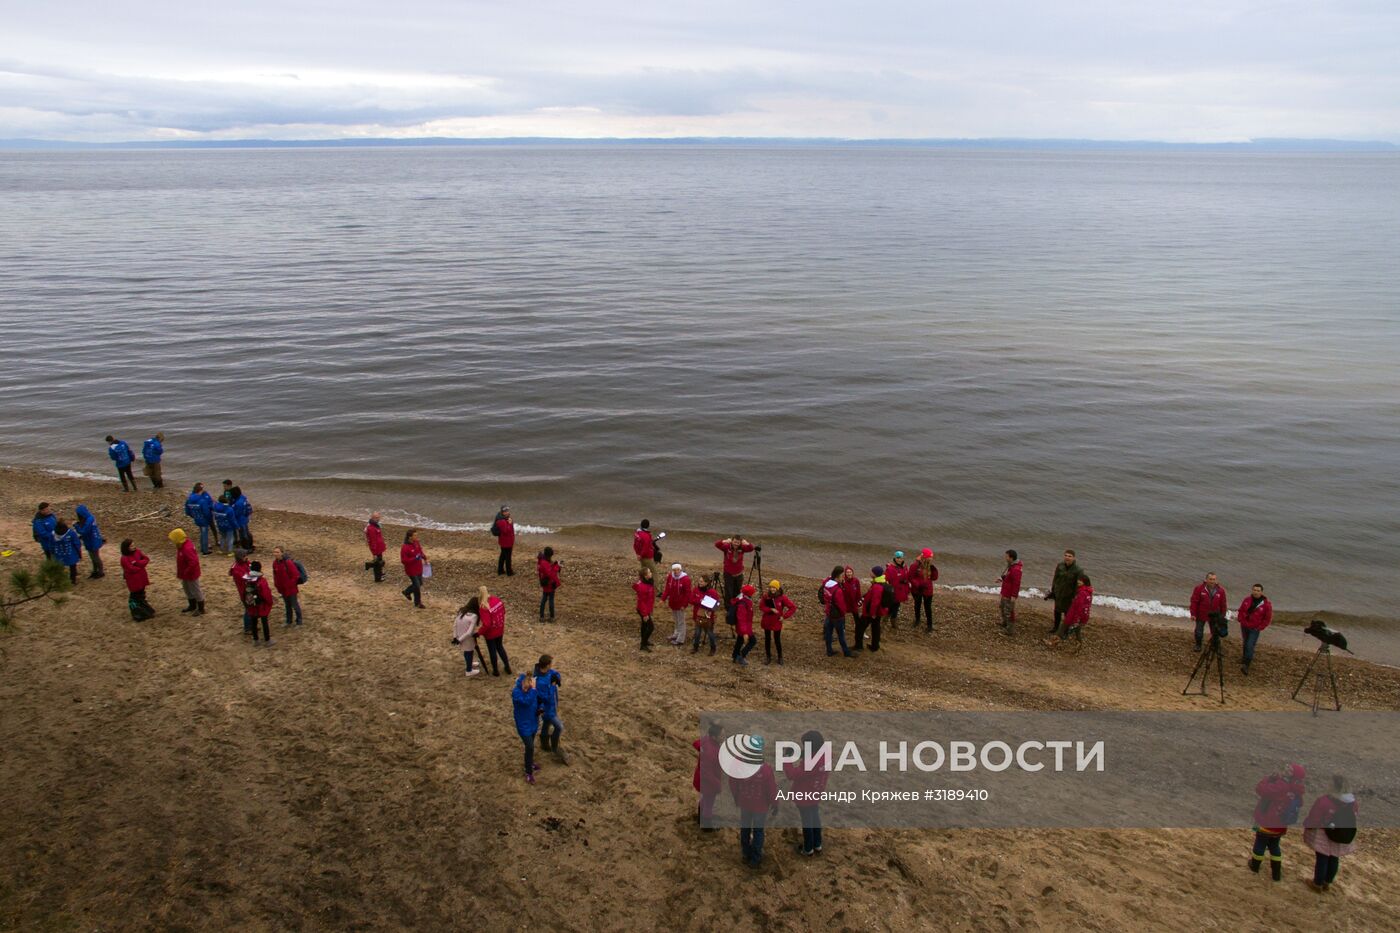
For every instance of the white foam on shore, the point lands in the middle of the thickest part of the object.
(83, 474)
(1143, 607)
(414, 520)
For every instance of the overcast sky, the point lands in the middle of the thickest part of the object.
(1184, 70)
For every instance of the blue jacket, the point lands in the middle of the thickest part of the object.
(43, 529)
(120, 452)
(151, 450)
(68, 549)
(527, 709)
(200, 507)
(242, 512)
(223, 516)
(87, 529)
(547, 686)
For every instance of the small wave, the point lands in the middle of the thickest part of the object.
(414, 520)
(1143, 607)
(83, 474)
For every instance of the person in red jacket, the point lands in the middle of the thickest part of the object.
(286, 579)
(921, 579)
(675, 593)
(897, 576)
(1077, 614)
(774, 608)
(1280, 798)
(708, 779)
(703, 616)
(744, 638)
(872, 611)
(851, 589)
(548, 570)
(807, 778)
(1207, 597)
(187, 571)
(134, 573)
(646, 604)
(504, 530)
(1330, 829)
(257, 596)
(492, 613)
(1255, 615)
(734, 549)
(834, 612)
(644, 546)
(239, 573)
(413, 559)
(757, 798)
(374, 537)
(1010, 592)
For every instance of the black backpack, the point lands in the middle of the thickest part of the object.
(1343, 827)
(655, 551)
(887, 598)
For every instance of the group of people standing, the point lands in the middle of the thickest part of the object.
(119, 452)
(1329, 829)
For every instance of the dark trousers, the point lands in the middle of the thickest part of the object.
(377, 565)
(771, 640)
(732, 585)
(701, 634)
(742, 647)
(1251, 638)
(647, 628)
(550, 730)
(243, 537)
(1325, 868)
(125, 475)
(1270, 843)
(496, 650)
(414, 590)
(547, 599)
(894, 617)
(1201, 625)
(529, 741)
(835, 626)
(503, 567)
(923, 605)
(267, 635)
(72, 573)
(1060, 614)
(97, 569)
(293, 605)
(751, 835)
(873, 625)
(811, 828)
(467, 656)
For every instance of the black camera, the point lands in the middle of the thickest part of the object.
(1219, 625)
(1319, 630)
(758, 548)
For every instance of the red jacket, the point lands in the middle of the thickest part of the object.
(493, 618)
(1258, 619)
(411, 555)
(1275, 797)
(506, 532)
(743, 615)
(755, 794)
(549, 574)
(642, 545)
(1078, 612)
(134, 570)
(733, 557)
(898, 578)
(873, 603)
(851, 590)
(834, 599)
(1203, 604)
(676, 592)
(699, 614)
(1325, 809)
(708, 777)
(646, 597)
(239, 572)
(264, 607)
(804, 781)
(1011, 581)
(374, 537)
(187, 561)
(921, 583)
(775, 610)
(285, 576)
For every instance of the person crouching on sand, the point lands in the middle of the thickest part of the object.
(493, 628)
(676, 593)
(464, 631)
(1076, 615)
(412, 557)
(775, 607)
(744, 638)
(527, 719)
(547, 683)
(702, 617)
(708, 779)
(646, 603)
(548, 570)
(1280, 798)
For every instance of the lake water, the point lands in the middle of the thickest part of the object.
(1172, 362)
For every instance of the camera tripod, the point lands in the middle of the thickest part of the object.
(1324, 650)
(1202, 669)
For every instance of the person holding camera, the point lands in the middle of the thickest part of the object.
(1255, 615)
(1280, 798)
(644, 547)
(1207, 597)
(1063, 585)
(734, 548)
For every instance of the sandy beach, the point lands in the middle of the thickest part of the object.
(167, 775)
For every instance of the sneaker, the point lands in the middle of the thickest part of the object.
(537, 767)
(806, 852)
(529, 778)
(473, 672)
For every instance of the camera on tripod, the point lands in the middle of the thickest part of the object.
(1219, 625)
(1319, 630)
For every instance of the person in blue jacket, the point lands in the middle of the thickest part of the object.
(227, 526)
(151, 452)
(43, 525)
(120, 454)
(92, 539)
(242, 517)
(527, 719)
(547, 683)
(199, 506)
(67, 548)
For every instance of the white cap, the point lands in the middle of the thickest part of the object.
(675, 566)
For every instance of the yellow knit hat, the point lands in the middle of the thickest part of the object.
(775, 585)
(178, 536)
